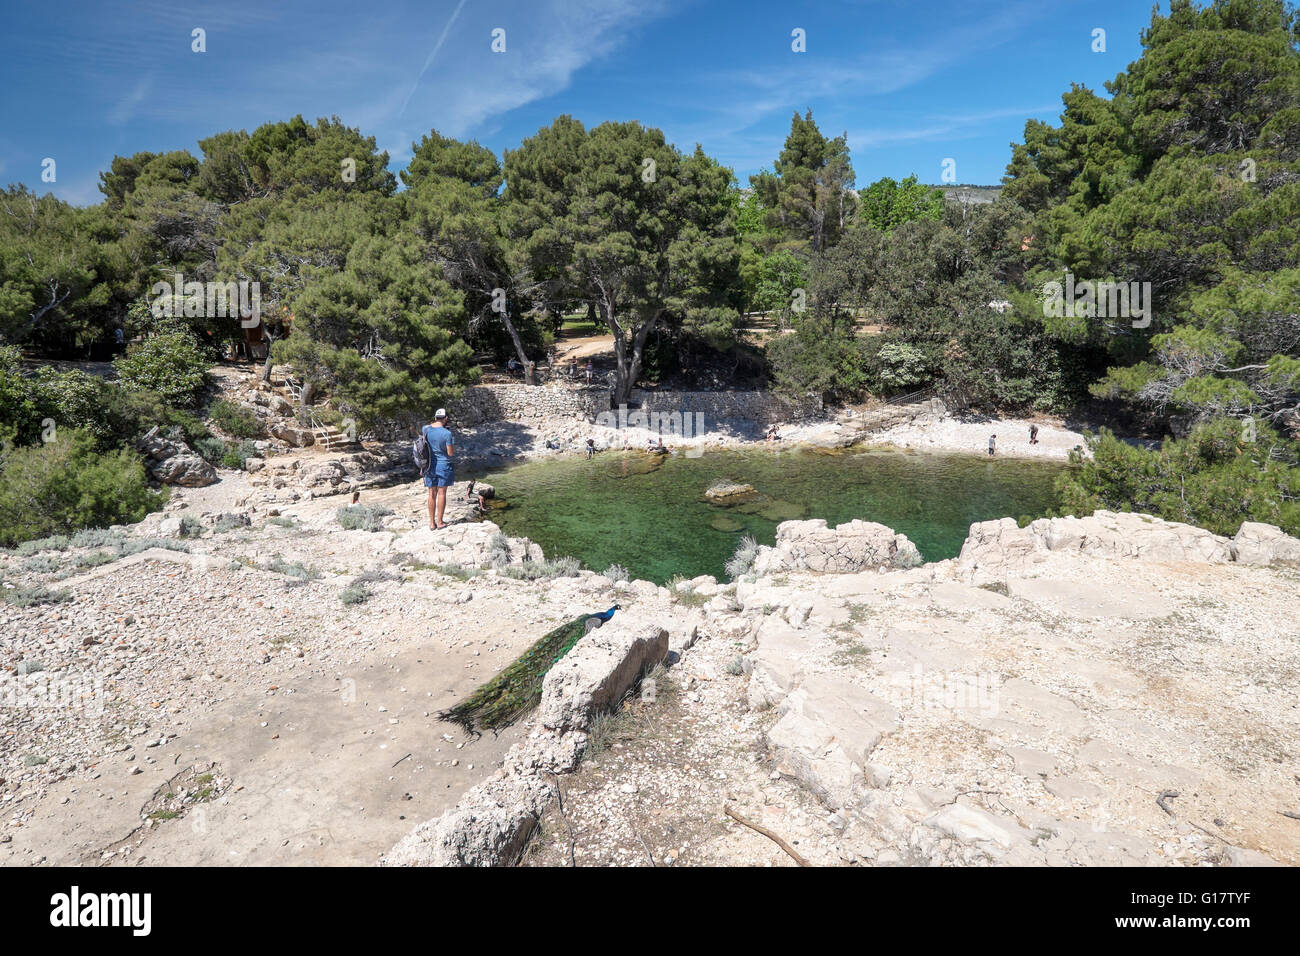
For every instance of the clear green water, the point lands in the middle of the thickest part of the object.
(657, 523)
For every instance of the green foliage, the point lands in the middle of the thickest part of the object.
(355, 593)
(819, 358)
(173, 365)
(235, 419)
(1188, 177)
(49, 264)
(1219, 476)
(68, 484)
(379, 331)
(807, 196)
(902, 366)
(887, 203)
(592, 226)
(293, 569)
(529, 570)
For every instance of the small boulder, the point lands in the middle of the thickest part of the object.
(725, 492)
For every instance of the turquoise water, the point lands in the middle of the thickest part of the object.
(650, 516)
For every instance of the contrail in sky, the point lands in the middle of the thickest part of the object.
(429, 62)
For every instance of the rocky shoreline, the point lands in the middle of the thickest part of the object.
(1026, 702)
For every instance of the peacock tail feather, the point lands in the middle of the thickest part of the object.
(518, 688)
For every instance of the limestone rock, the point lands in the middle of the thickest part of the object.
(853, 546)
(188, 470)
(826, 734)
(729, 492)
(1257, 544)
(599, 670)
(488, 827)
(294, 435)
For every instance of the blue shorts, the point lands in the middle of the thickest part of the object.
(435, 479)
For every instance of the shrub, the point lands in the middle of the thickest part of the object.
(355, 593)
(173, 364)
(293, 569)
(616, 572)
(67, 484)
(235, 419)
(29, 597)
(742, 561)
(97, 538)
(541, 570)
(902, 366)
(230, 523)
(57, 542)
(1214, 478)
(362, 517)
(212, 449)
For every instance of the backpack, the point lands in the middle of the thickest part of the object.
(422, 453)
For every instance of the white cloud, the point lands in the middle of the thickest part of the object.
(546, 44)
(126, 107)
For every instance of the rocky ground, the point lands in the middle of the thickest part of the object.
(1112, 692)
(1117, 690)
(251, 677)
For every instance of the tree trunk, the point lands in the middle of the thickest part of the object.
(530, 377)
(305, 403)
(266, 366)
(627, 366)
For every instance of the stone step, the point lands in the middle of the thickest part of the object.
(330, 438)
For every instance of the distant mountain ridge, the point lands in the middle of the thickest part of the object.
(975, 194)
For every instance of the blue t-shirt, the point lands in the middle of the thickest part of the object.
(439, 440)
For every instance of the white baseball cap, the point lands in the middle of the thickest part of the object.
(440, 413)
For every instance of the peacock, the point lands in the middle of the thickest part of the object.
(518, 688)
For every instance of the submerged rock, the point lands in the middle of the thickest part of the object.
(724, 492)
(634, 463)
(725, 523)
(781, 510)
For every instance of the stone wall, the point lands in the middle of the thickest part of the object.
(521, 403)
(758, 406)
(516, 402)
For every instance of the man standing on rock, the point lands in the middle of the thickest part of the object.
(993, 444)
(439, 476)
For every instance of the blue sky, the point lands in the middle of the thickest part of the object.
(912, 83)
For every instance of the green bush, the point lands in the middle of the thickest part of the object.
(174, 365)
(1214, 478)
(115, 415)
(902, 366)
(237, 454)
(66, 484)
(57, 542)
(234, 419)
